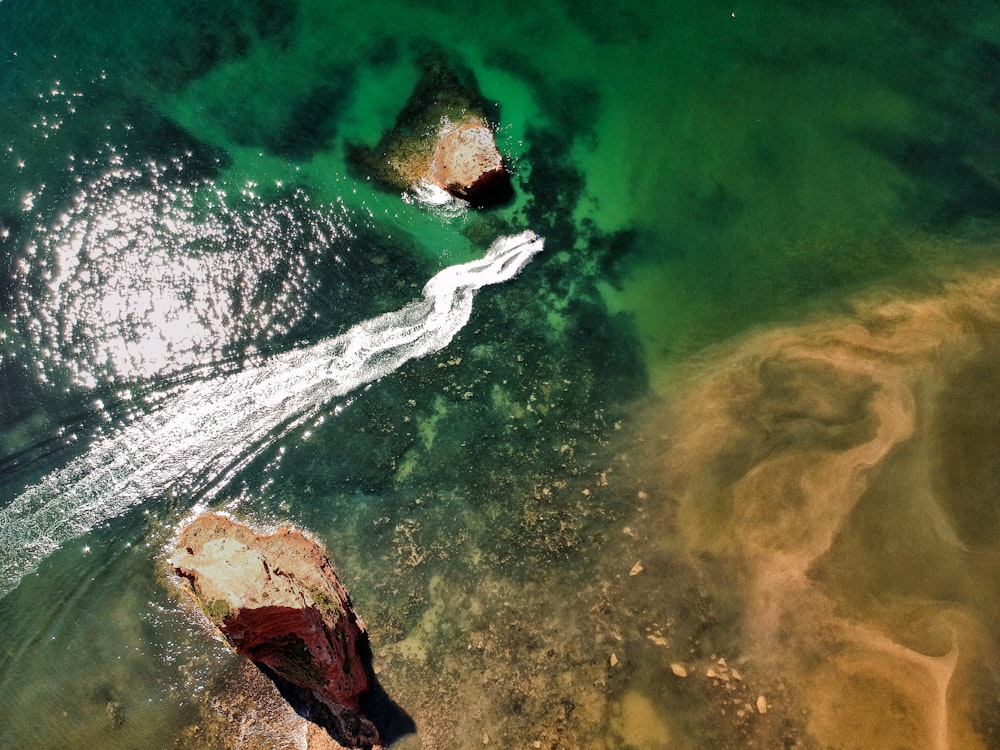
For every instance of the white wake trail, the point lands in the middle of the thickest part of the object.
(207, 432)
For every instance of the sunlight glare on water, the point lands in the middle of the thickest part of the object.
(146, 276)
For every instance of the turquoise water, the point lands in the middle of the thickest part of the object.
(756, 357)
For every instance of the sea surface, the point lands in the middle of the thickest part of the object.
(713, 463)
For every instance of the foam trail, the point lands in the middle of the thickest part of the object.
(211, 429)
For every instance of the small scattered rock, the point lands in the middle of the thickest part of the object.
(636, 569)
(678, 669)
(761, 704)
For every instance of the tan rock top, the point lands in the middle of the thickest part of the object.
(227, 561)
(231, 571)
(465, 151)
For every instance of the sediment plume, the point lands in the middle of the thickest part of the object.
(847, 469)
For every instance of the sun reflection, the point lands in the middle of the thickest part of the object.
(146, 275)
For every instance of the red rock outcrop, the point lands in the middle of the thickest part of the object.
(467, 163)
(442, 138)
(278, 602)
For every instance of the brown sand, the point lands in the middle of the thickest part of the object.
(846, 467)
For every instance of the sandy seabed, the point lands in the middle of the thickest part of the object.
(810, 561)
(845, 473)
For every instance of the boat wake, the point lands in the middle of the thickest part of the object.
(211, 429)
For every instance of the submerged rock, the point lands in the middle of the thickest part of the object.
(278, 602)
(443, 139)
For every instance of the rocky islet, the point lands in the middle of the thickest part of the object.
(277, 601)
(443, 139)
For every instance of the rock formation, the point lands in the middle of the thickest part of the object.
(443, 138)
(277, 601)
(467, 164)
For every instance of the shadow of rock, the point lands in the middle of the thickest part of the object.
(391, 720)
(389, 717)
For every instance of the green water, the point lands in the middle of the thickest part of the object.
(728, 195)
